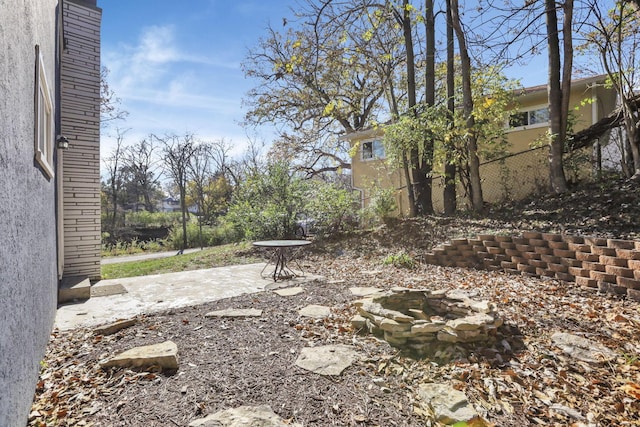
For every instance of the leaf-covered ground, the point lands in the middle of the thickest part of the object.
(520, 379)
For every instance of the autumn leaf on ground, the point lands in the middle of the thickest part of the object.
(632, 389)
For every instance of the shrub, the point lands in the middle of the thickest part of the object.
(211, 236)
(329, 207)
(381, 207)
(266, 204)
(401, 260)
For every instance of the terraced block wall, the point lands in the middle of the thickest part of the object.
(607, 265)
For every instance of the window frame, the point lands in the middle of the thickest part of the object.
(44, 116)
(528, 112)
(373, 157)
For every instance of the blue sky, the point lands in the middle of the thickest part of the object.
(175, 65)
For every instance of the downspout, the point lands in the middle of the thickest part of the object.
(58, 154)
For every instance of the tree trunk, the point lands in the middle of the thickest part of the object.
(449, 167)
(393, 103)
(467, 108)
(413, 211)
(425, 201)
(414, 154)
(554, 89)
(183, 208)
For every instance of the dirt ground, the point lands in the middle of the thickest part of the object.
(520, 379)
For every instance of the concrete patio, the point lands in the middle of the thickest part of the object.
(125, 298)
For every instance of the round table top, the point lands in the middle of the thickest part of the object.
(281, 243)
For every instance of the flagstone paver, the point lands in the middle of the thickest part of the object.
(328, 359)
(315, 311)
(235, 312)
(289, 292)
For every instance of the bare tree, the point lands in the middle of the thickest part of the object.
(207, 186)
(115, 175)
(219, 151)
(109, 102)
(316, 80)
(142, 169)
(178, 151)
(615, 36)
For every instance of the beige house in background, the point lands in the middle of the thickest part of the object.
(513, 177)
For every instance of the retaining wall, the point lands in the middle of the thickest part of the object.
(607, 265)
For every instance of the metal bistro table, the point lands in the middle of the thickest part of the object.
(283, 254)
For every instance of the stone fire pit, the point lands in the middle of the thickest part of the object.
(419, 320)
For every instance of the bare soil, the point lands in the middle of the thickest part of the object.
(520, 379)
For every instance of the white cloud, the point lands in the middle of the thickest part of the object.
(168, 88)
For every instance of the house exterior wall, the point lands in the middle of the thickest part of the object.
(28, 273)
(80, 123)
(512, 178)
(375, 173)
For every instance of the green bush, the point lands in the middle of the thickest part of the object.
(329, 207)
(211, 236)
(266, 204)
(131, 248)
(381, 207)
(401, 260)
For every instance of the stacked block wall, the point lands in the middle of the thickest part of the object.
(608, 265)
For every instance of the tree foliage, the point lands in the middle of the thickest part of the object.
(325, 77)
(266, 204)
(614, 36)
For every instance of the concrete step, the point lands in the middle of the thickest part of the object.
(74, 288)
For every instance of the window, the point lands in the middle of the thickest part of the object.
(372, 150)
(537, 117)
(43, 117)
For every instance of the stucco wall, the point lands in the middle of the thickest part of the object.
(28, 276)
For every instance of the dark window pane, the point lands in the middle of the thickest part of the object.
(367, 150)
(518, 119)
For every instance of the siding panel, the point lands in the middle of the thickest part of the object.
(80, 118)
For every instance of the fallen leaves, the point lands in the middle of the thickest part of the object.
(632, 389)
(520, 379)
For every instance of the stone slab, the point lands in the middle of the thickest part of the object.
(74, 288)
(114, 327)
(163, 355)
(260, 416)
(449, 405)
(101, 290)
(315, 311)
(327, 360)
(289, 292)
(365, 291)
(583, 349)
(235, 312)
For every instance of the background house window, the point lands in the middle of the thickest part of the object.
(518, 119)
(43, 117)
(539, 116)
(372, 150)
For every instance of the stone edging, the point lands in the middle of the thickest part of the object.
(416, 319)
(608, 265)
